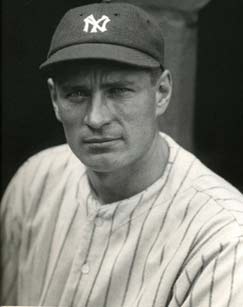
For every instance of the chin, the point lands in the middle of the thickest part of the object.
(102, 167)
(101, 164)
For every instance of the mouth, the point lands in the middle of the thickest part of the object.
(101, 142)
(95, 140)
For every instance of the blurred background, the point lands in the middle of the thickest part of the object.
(28, 124)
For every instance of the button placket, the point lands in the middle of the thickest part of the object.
(92, 209)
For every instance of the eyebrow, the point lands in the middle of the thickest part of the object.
(117, 83)
(67, 87)
(107, 84)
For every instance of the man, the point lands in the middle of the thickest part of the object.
(123, 216)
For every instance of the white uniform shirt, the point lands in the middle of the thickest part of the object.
(177, 243)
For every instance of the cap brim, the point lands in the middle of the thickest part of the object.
(100, 51)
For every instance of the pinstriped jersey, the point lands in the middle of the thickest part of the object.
(177, 243)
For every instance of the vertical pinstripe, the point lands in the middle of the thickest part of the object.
(33, 213)
(213, 277)
(161, 246)
(162, 255)
(42, 301)
(52, 235)
(137, 244)
(177, 249)
(233, 274)
(191, 289)
(54, 226)
(103, 256)
(191, 297)
(176, 298)
(86, 257)
(118, 254)
(147, 256)
(164, 219)
(210, 237)
(62, 246)
(187, 207)
(200, 229)
(188, 277)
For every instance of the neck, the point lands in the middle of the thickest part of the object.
(130, 180)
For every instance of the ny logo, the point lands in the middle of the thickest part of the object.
(99, 24)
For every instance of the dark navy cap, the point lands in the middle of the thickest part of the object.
(110, 31)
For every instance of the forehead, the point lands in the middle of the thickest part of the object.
(99, 71)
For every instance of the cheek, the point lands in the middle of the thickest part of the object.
(141, 115)
(142, 127)
(71, 119)
(71, 116)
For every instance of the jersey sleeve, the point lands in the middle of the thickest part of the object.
(12, 219)
(220, 282)
(214, 277)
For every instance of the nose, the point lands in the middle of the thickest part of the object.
(98, 113)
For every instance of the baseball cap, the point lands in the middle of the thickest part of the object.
(109, 31)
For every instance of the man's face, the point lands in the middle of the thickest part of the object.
(108, 113)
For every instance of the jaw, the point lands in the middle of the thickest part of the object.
(129, 180)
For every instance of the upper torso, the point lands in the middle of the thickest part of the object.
(157, 248)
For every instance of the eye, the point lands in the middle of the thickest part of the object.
(119, 91)
(77, 95)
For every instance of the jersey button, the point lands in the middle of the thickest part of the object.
(85, 268)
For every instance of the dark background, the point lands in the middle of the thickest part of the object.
(28, 122)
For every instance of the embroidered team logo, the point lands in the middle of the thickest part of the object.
(93, 26)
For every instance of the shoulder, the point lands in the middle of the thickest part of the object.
(194, 174)
(41, 175)
(53, 161)
(217, 204)
(56, 155)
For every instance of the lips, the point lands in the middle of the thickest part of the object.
(99, 140)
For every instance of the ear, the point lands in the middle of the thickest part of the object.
(53, 94)
(163, 92)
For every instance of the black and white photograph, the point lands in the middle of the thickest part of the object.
(121, 153)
